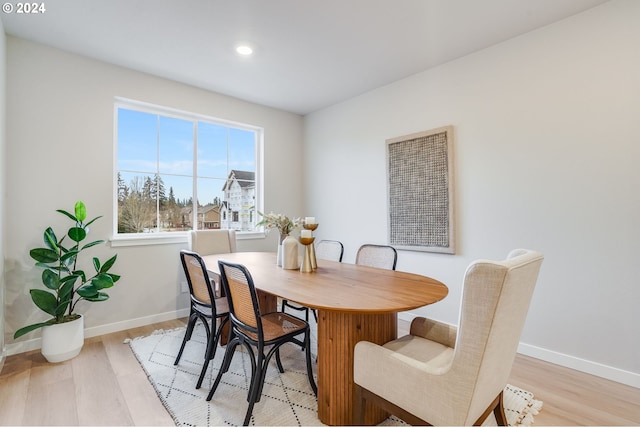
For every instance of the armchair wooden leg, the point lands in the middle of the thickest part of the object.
(498, 411)
(363, 397)
(497, 407)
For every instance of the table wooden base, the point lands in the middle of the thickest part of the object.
(338, 333)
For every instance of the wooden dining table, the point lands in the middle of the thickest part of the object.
(354, 303)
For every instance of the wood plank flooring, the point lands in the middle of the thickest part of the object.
(105, 385)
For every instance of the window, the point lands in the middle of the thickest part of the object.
(179, 171)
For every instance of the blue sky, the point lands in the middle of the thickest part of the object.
(220, 149)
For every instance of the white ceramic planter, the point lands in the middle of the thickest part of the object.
(63, 341)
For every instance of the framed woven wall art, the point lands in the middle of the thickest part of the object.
(420, 191)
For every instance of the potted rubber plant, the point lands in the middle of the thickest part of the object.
(66, 284)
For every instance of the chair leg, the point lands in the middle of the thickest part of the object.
(212, 346)
(257, 379)
(187, 335)
(263, 363)
(307, 344)
(228, 355)
(499, 413)
(279, 361)
(254, 368)
(497, 407)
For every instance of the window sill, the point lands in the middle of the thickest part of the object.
(146, 239)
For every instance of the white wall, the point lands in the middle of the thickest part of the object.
(546, 150)
(60, 149)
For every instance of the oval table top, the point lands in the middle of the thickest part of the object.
(337, 286)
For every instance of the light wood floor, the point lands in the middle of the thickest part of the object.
(105, 385)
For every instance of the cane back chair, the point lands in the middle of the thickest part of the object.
(204, 307)
(250, 328)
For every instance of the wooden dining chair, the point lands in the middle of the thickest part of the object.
(204, 307)
(253, 329)
(331, 250)
(379, 256)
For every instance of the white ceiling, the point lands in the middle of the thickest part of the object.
(309, 54)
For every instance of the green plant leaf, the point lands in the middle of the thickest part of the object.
(64, 293)
(90, 222)
(81, 275)
(88, 245)
(69, 257)
(20, 332)
(62, 308)
(77, 234)
(72, 278)
(114, 277)
(100, 297)
(87, 291)
(50, 239)
(81, 211)
(44, 255)
(102, 281)
(73, 218)
(44, 300)
(108, 264)
(50, 279)
(96, 264)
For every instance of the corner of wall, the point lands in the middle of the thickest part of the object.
(3, 73)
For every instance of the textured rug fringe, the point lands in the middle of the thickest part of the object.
(533, 408)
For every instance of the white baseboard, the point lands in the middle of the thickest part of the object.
(35, 344)
(594, 368)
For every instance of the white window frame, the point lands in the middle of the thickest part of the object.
(136, 239)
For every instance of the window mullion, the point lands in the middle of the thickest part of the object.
(194, 220)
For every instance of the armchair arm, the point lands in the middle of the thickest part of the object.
(433, 330)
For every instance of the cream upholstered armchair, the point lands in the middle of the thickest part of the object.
(443, 375)
(211, 242)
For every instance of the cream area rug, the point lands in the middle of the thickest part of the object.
(287, 398)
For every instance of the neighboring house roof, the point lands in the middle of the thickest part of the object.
(244, 178)
(201, 210)
(208, 208)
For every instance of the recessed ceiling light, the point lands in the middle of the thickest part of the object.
(244, 50)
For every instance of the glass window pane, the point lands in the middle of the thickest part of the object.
(238, 211)
(176, 146)
(210, 191)
(210, 197)
(212, 150)
(242, 155)
(177, 206)
(136, 209)
(137, 141)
